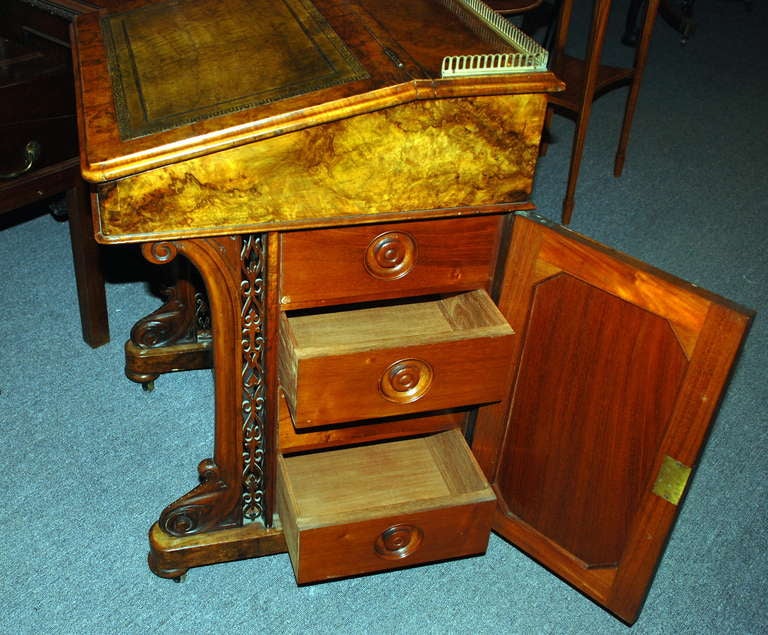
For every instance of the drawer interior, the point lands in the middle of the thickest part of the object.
(337, 506)
(452, 318)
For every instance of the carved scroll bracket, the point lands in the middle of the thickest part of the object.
(168, 324)
(196, 512)
(176, 336)
(159, 253)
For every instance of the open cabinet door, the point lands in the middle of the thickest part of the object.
(618, 369)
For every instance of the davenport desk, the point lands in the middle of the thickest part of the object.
(405, 356)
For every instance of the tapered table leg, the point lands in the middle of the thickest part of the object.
(89, 276)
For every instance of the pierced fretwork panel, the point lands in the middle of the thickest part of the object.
(253, 259)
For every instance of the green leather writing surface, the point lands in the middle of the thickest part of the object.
(178, 62)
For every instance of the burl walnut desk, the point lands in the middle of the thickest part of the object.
(405, 357)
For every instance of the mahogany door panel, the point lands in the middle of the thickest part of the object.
(619, 370)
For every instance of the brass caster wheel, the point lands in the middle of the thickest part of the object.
(148, 386)
(180, 578)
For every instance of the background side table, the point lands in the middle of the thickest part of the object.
(38, 144)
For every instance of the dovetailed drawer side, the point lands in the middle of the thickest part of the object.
(394, 360)
(383, 506)
(368, 262)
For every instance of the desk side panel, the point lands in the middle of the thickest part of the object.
(458, 152)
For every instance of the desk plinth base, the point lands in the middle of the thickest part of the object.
(171, 556)
(144, 365)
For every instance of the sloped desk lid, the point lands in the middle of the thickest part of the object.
(161, 82)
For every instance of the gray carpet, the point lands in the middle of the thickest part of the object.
(90, 460)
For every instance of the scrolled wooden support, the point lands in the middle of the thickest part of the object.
(183, 319)
(204, 508)
(167, 325)
(231, 484)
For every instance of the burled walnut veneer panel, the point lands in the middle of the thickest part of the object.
(421, 155)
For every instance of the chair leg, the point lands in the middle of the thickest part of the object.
(679, 16)
(555, 39)
(631, 30)
(594, 53)
(544, 143)
(577, 150)
(641, 57)
(89, 276)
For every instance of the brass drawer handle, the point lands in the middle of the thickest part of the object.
(31, 155)
(406, 381)
(390, 255)
(398, 542)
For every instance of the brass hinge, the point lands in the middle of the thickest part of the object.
(672, 479)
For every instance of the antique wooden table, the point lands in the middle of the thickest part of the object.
(404, 358)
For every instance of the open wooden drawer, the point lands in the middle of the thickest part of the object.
(394, 360)
(382, 506)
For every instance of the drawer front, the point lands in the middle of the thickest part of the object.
(353, 264)
(393, 361)
(394, 542)
(34, 145)
(395, 382)
(382, 506)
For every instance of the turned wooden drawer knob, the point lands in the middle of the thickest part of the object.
(398, 541)
(406, 381)
(390, 255)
